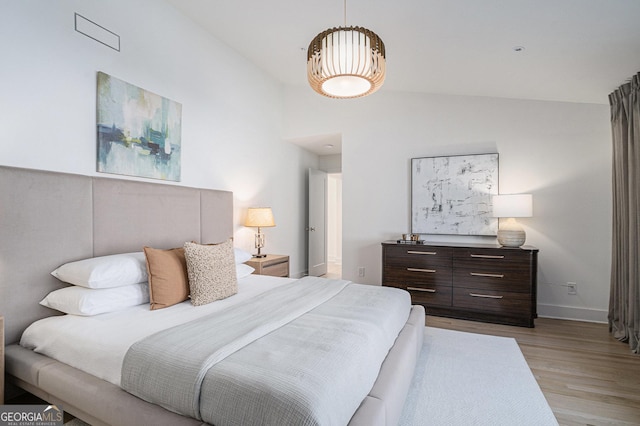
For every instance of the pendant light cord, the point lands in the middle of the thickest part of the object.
(345, 13)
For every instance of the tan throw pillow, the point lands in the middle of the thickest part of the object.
(168, 280)
(212, 271)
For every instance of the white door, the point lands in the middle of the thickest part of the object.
(317, 227)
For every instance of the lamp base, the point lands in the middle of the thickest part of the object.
(259, 244)
(511, 234)
(511, 238)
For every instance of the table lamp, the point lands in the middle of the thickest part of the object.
(260, 217)
(510, 232)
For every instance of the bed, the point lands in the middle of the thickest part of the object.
(55, 218)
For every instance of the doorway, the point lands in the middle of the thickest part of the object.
(325, 224)
(317, 227)
(334, 225)
(324, 205)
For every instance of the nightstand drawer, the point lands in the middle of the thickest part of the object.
(275, 265)
(276, 270)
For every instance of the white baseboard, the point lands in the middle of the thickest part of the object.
(298, 274)
(573, 313)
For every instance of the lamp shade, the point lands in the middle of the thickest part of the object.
(259, 217)
(513, 205)
(346, 62)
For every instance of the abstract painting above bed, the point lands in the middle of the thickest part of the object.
(139, 132)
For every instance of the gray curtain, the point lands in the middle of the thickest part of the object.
(624, 300)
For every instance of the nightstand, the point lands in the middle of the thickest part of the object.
(275, 265)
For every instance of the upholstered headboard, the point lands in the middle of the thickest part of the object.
(48, 218)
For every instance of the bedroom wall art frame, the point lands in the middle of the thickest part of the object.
(451, 195)
(138, 132)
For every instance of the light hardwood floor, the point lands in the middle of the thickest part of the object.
(587, 376)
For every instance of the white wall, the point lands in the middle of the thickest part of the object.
(559, 152)
(331, 163)
(231, 115)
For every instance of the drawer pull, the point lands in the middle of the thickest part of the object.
(431, 271)
(432, 253)
(426, 290)
(480, 274)
(486, 296)
(488, 256)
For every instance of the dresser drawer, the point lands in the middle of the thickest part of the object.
(417, 256)
(497, 267)
(498, 302)
(425, 275)
(434, 295)
(431, 295)
(498, 279)
(462, 256)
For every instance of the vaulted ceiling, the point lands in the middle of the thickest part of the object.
(573, 50)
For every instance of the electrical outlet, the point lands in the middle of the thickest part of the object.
(572, 288)
(361, 271)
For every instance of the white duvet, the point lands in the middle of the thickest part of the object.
(97, 345)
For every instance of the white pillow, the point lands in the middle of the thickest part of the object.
(106, 271)
(89, 301)
(240, 255)
(243, 270)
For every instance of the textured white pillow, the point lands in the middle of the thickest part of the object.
(90, 301)
(105, 272)
(243, 270)
(212, 272)
(240, 255)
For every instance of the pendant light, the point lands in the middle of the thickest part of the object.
(346, 62)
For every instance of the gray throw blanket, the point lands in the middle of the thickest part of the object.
(304, 353)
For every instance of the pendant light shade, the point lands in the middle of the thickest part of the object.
(346, 62)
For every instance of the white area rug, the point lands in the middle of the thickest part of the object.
(473, 379)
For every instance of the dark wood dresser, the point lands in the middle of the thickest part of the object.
(481, 282)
